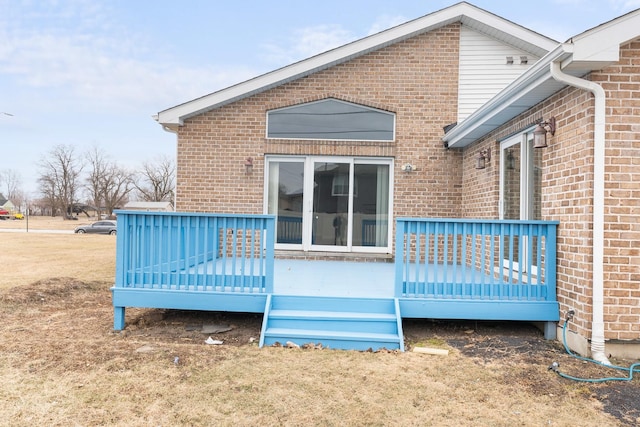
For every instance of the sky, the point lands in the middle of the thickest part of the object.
(92, 73)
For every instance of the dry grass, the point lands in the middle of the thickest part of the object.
(61, 363)
(38, 256)
(45, 223)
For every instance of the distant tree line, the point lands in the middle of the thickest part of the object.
(68, 179)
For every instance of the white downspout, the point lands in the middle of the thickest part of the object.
(597, 322)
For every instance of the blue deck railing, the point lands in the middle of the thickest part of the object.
(476, 259)
(195, 252)
(444, 268)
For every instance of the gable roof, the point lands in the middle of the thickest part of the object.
(589, 51)
(467, 14)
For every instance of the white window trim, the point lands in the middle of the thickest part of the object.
(382, 141)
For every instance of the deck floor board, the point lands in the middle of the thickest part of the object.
(333, 278)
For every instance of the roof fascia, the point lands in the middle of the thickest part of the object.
(461, 12)
(600, 45)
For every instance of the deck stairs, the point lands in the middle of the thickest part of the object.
(335, 322)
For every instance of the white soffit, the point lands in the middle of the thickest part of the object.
(469, 15)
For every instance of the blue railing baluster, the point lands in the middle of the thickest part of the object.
(454, 260)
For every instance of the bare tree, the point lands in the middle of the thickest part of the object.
(156, 181)
(108, 184)
(117, 185)
(59, 178)
(95, 177)
(10, 181)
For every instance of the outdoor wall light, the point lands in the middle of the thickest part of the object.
(408, 167)
(248, 164)
(511, 160)
(484, 157)
(540, 132)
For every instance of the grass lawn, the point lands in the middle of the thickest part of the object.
(62, 364)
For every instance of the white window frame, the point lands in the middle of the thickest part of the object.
(393, 137)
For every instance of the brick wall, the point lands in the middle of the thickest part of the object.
(567, 194)
(416, 79)
(622, 192)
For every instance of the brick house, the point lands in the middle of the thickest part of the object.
(435, 118)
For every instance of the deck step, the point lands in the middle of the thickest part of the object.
(340, 323)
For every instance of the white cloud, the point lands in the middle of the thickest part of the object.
(306, 42)
(624, 5)
(93, 61)
(385, 22)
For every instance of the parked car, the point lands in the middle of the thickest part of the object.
(18, 216)
(4, 214)
(100, 227)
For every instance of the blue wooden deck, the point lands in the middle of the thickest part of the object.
(443, 269)
(334, 278)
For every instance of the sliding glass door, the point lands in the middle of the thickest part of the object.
(520, 192)
(338, 204)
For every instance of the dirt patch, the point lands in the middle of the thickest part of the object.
(183, 325)
(58, 333)
(527, 356)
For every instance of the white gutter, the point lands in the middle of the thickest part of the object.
(597, 321)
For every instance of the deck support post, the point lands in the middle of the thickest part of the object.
(118, 318)
(550, 329)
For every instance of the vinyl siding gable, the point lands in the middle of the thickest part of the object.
(484, 70)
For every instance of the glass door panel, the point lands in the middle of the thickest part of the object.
(331, 198)
(511, 167)
(285, 199)
(511, 197)
(371, 205)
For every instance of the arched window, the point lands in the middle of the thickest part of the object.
(331, 119)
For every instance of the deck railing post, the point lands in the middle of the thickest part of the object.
(270, 250)
(122, 255)
(401, 254)
(550, 261)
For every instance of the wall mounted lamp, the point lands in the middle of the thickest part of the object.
(484, 157)
(408, 167)
(511, 160)
(540, 132)
(248, 165)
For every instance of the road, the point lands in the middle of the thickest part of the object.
(24, 230)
